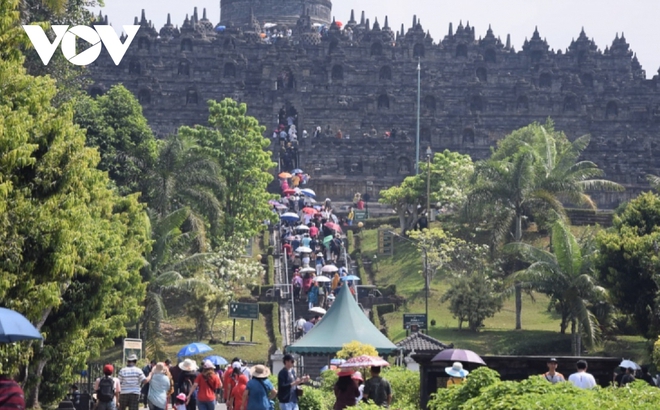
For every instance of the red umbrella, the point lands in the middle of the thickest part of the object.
(333, 226)
(288, 191)
(339, 23)
(364, 361)
(310, 211)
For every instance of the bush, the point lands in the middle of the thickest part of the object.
(270, 271)
(350, 241)
(316, 399)
(405, 386)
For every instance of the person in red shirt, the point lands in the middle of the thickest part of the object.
(229, 377)
(360, 204)
(288, 250)
(236, 397)
(11, 394)
(313, 231)
(208, 382)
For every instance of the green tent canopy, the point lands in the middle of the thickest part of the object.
(343, 323)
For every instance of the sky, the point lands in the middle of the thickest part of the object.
(559, 21)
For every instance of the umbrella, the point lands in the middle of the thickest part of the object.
(216, 360)
(318, 310)
(322, 279)
(273, 202)
(364, 361)
(308, 192)
(220, 28)
(15, 327)
(458, 355)
(281, 206)
(310, 200)
(307, 269)
(327, 239)
(303, 249)
(193, 349)
(310, 211)
(350, 277)
(289, 191)
(297, 171)
(329, 269)
(629, 364)
(331, 367)
(284, 175)
(289, 216)
(269, 25)
(337, 361)
(339, 23)
(302, 228)
(333, 226)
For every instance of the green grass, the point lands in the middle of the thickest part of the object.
(540, 334)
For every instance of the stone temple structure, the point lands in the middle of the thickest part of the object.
(362, 79)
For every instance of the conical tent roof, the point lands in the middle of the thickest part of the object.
(343, 323)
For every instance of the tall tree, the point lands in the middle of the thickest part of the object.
(567, 276)
(235, 140)
(71, 249)
(531, 172)
(450, 173)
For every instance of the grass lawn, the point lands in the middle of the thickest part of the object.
(540, 334)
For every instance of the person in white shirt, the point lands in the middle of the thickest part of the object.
(131, 379)
(581, 378)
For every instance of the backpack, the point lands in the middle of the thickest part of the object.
(186, 387)
(106, 391)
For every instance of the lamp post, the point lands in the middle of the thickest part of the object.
(419, 90)
(428, 221)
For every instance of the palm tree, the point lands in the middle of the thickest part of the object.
(566, 276)
(533, 170)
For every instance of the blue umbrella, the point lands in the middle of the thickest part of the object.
(350, 277)
(15, 327)
(193, 349)
(216, 360)
(297, 171)
(308, 192)
(337, 361)
(289, 217)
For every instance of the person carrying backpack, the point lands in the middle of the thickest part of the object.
(107, 389)
(187, 381)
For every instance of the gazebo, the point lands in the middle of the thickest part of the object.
(343, 323)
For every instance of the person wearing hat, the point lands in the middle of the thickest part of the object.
(259, 391)
(179, 402)
(207, 382)
(131, 379)
(235, 401)
(359, 382)
(457, 374)
(552, 375)
(109, 397)
(346, 391)
(186, 381)
(160, 387)
(287, 384)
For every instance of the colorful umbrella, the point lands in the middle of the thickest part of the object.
(333, 226)
(289, 216)
(350, 277)
(309, 211)
(329, 269)
(273, 202)
(284, 175)
(193, 349)
(289, 191)
(364, 361)
(281, 207)
(308, 192)
(15, 327)
(327, 239)
(458, 355)
(297, 171)
(303, 249)
(337, 361)
(322, 279)
(216, 360)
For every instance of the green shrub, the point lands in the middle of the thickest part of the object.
(351, 242)
(316, 399)
(270, 271)
(265, 239)
(405, 386)
(389, 290)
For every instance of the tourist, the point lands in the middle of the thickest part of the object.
(346, 391)
(259, 391)
(235, 401)
(456, 374)
(335, 281)
(160, 387)
(297, 285)
(308, 326)
(350, 216)
(131, 379)
(229, 381)
(107, 389)
(208, 382)
(359, 382)
(186, 382)
(581, 378)
(11, 393)
(377, 389)
(313, 296)
(287, 385)
(321, 291)
(628, 377)
(180, 402)
(320, 262)
(552, 375)
(175, 371)
(300, 325)
(145, 387)
(646, 376)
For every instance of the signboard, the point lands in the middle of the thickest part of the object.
(414, 321)
(132, 346)
(239, 310)
(385, 242)
(361, 215)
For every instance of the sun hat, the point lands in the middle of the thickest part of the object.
(181, 396)
(357, 376)
(260, 371)
(236, 365)
(188, 365)
(456, 370)
(131, 358)
(209, 364)
(108, 369)
(346, 372)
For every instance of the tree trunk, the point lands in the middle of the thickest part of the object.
(518, 286)
(573, 338)
(403, 221)
(32, 395)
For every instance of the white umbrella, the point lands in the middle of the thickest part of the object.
(329, 269)
(303, 249)
(318, 310)
(322, 279)
(308, 269)
(310, 200)
(269, 25)
(629, 364)
(302, 228)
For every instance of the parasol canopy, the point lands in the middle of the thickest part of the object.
(318, 310)
(364, 361)
(458, 355)
(329, 269)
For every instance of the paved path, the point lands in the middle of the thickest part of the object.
(220, 406)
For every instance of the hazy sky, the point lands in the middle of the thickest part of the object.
(558, 21)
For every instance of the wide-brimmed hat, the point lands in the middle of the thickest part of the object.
(456, 370)
(132, 358)
(209, 364)
(188, 365)
(260, 371)
(346, 372)
(357, 376)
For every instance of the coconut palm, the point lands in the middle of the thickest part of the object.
(533, 170)
(566, 276)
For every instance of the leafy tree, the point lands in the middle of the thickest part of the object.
(472, 298)
(116, 126)
(355, 349)
(450, 173)
(566, 275)
(531, 172)
(629, 258)
(235, 140)
(71, 249)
